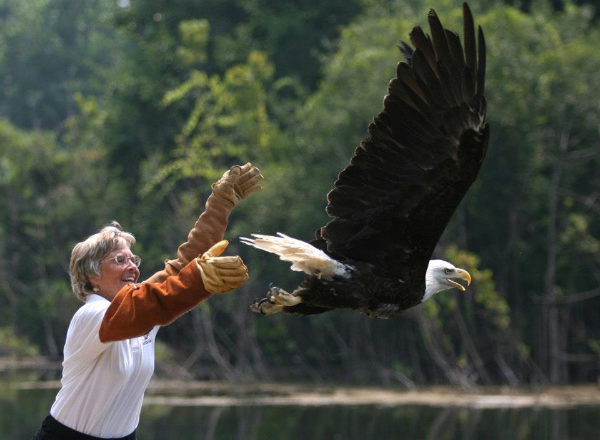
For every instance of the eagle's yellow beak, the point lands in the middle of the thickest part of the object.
(463, 275)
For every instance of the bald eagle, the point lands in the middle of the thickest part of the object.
(391, 204)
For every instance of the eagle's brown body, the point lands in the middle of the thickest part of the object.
(391, 204)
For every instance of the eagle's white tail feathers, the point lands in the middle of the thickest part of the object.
(303, 256)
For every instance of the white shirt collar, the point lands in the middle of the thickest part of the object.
(94, 297)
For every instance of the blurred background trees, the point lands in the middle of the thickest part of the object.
(128, 109)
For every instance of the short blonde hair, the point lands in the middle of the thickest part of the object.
(87, 257)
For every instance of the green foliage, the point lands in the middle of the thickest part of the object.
(129, 112)
(229, 122)
(544, 113)
(14, 346)
(194, 37)
(50, 50)
(484, 293)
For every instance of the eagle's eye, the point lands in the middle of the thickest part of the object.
(447, 271)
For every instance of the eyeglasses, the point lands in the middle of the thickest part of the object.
(122, 260)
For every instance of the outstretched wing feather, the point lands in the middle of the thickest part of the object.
(390, 205)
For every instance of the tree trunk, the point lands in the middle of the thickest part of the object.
(445, 361)
(551, 312)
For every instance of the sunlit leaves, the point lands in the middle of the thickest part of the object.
(483, 291)
(194, 37)
(229, 121)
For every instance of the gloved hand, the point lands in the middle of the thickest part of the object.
(221, 274)
(238, 183)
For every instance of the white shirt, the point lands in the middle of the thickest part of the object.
(103, 385)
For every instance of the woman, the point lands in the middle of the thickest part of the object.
(109, 351)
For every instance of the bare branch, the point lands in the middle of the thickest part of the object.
(569, 299)
(580, 357)
(578, 297)
(589, 201)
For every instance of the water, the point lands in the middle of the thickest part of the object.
(21, 412)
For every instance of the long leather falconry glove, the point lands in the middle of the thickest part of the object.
(221, 274)
(236, 184)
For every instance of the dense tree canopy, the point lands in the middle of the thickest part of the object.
(127, 110)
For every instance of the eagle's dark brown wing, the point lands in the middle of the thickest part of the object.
(424, 150)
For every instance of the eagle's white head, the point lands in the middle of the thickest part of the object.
(439, 276)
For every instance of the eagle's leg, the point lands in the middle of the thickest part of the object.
(275, 301)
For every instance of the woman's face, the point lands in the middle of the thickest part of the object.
(115, 276)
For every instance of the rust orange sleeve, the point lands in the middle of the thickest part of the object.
(136, 309)
(208, 230)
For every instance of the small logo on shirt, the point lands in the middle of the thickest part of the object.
(147, 339)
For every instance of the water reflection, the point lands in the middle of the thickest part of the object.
(22, 410)
(369, 422)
